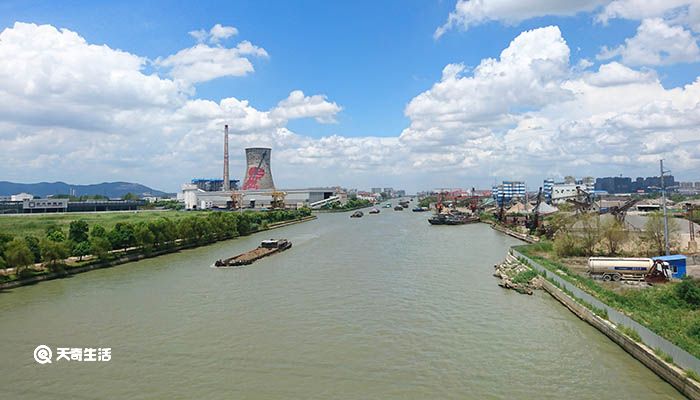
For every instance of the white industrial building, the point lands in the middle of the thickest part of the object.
(198, 199)
(21, 197)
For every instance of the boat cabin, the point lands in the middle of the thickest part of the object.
(273, 243)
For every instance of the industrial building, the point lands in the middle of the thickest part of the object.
(197, 199)
(508, 190)
(258, 189)
(557, 192)
(53, 205)
(214, 185)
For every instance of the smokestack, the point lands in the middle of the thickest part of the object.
(258, 175)
(227, 182)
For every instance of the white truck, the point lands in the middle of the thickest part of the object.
(619, 268)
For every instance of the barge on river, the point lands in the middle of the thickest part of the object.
(266, 248)
(452, 219)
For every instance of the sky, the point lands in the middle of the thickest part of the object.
(410, 94)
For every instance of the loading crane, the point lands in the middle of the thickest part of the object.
(621, 211)
(534, 222)
(277, 202)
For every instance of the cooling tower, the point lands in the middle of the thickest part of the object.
(258, 174)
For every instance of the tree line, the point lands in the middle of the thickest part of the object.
(142, 237)
(587, 235)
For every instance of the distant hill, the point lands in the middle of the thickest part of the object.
(109, 189)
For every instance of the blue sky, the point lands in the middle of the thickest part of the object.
(371, 59)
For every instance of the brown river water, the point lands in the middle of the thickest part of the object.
(380, 307)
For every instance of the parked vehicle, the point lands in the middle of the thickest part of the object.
(617, 269)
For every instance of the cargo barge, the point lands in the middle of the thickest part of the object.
(266, 248)
(452, 219)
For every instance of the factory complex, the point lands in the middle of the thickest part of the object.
(257, 191)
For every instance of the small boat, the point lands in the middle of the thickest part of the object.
(266, 248)
(357, 214)
(398, 208)
(387, 205)
(419, 209)
(374, 211)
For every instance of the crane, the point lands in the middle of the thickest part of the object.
(277, 202)
(621, 211)
(535, 221)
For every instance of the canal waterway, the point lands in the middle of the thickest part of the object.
(385, 306)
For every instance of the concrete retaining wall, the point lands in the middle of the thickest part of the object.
(641, 351)
(670, 373)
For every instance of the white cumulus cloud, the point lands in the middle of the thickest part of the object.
(656, 43)
(468, 13)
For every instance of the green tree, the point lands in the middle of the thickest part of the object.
(130, 196)
(5, 238)
(566, 245)
(98, 231)
(53, 251)
(653, 233)
(80, 249)
(18, 256)
(590, 233)
(78, 231)
(100, 247)
(122, 236)
(614, 235)
(33, 243)
(55, 233)
(144, 237)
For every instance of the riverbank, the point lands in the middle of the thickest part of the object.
(668, 361)
(522, 236)
(129, 258)
(669, 372)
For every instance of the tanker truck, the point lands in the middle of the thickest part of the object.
(616, 269)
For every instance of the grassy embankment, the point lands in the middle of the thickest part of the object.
(35, 224)
(120, 234)
(671, 310)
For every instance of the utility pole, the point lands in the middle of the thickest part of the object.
(663, 204)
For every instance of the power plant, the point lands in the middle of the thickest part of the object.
(258, 174)
(258, 189)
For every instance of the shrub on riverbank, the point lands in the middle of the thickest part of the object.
(668, 309)
(143, 237)
(350, 205)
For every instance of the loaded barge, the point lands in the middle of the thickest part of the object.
(266, 248)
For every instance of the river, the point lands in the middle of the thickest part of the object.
(385, 307)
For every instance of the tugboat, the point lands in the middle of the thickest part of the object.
(419, 209)
(387, 205)
(357, 214)
(374, 211)
(398, 208)
(266, 248)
